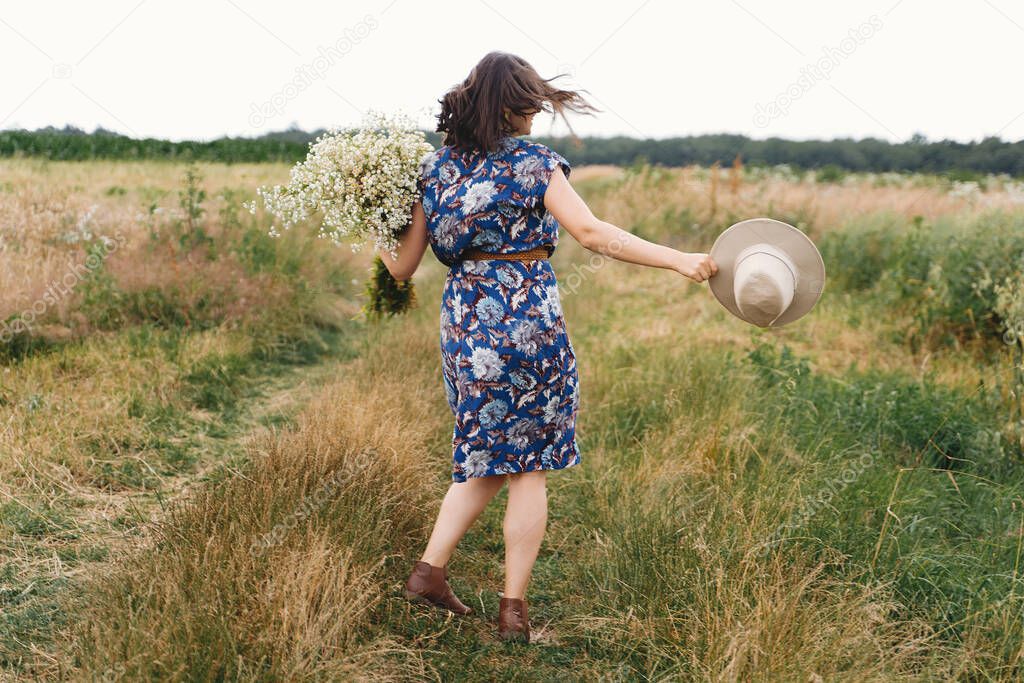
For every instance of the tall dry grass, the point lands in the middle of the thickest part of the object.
(277, 574)
(692, 198)
(681, 548)
(50, 212)
(138, 375)
(654, 566)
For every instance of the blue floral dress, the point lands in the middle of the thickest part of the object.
(508, 366)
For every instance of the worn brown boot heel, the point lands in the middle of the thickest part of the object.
(429, 584)
(513, 620)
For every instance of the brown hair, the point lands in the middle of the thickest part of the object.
(472, 112)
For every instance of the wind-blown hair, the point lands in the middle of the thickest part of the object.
(472, 112)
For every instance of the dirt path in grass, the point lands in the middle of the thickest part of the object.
(42, 573)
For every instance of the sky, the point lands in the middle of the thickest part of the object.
(194, 69)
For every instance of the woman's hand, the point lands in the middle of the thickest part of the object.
(697, 267)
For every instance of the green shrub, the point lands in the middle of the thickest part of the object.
(941, 275)
(830, 173)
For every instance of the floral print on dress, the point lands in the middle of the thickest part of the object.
(508, 366)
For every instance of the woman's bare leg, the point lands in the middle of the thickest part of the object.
(525, 522)
(461, 506)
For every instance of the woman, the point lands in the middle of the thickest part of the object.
(490, 208)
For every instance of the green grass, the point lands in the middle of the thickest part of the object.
(836, 500)
(944, 275)
(705, 535)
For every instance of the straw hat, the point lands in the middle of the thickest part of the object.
(769, 273)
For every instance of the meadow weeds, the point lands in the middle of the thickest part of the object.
(947, 275)
(278, 574)
(841, 499)
(189, 309)
(142, 370)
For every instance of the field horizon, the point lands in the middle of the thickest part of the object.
(957, 160)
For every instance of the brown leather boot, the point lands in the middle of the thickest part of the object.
(428, 583)
(513, 621)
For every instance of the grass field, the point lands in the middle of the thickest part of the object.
(213, 469)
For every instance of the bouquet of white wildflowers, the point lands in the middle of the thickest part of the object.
(360, 185)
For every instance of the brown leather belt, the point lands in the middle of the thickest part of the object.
(473, 254)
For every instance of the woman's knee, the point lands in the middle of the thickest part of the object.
(535, 478)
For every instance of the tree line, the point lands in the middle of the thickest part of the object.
(990, 155)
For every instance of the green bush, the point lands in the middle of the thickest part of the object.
(830, 173)
(942, 275)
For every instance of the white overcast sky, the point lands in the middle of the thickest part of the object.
(192, 69)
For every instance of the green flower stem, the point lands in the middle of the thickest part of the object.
(385, 295)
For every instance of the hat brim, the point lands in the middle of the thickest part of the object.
(797, 245)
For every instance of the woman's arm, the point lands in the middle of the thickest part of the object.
(411, 246)
(574, 215)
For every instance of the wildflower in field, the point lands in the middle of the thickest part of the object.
(968, 189)
(1009, 306)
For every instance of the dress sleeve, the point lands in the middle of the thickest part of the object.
(427, 165)
(555, 160)
(539, 174)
